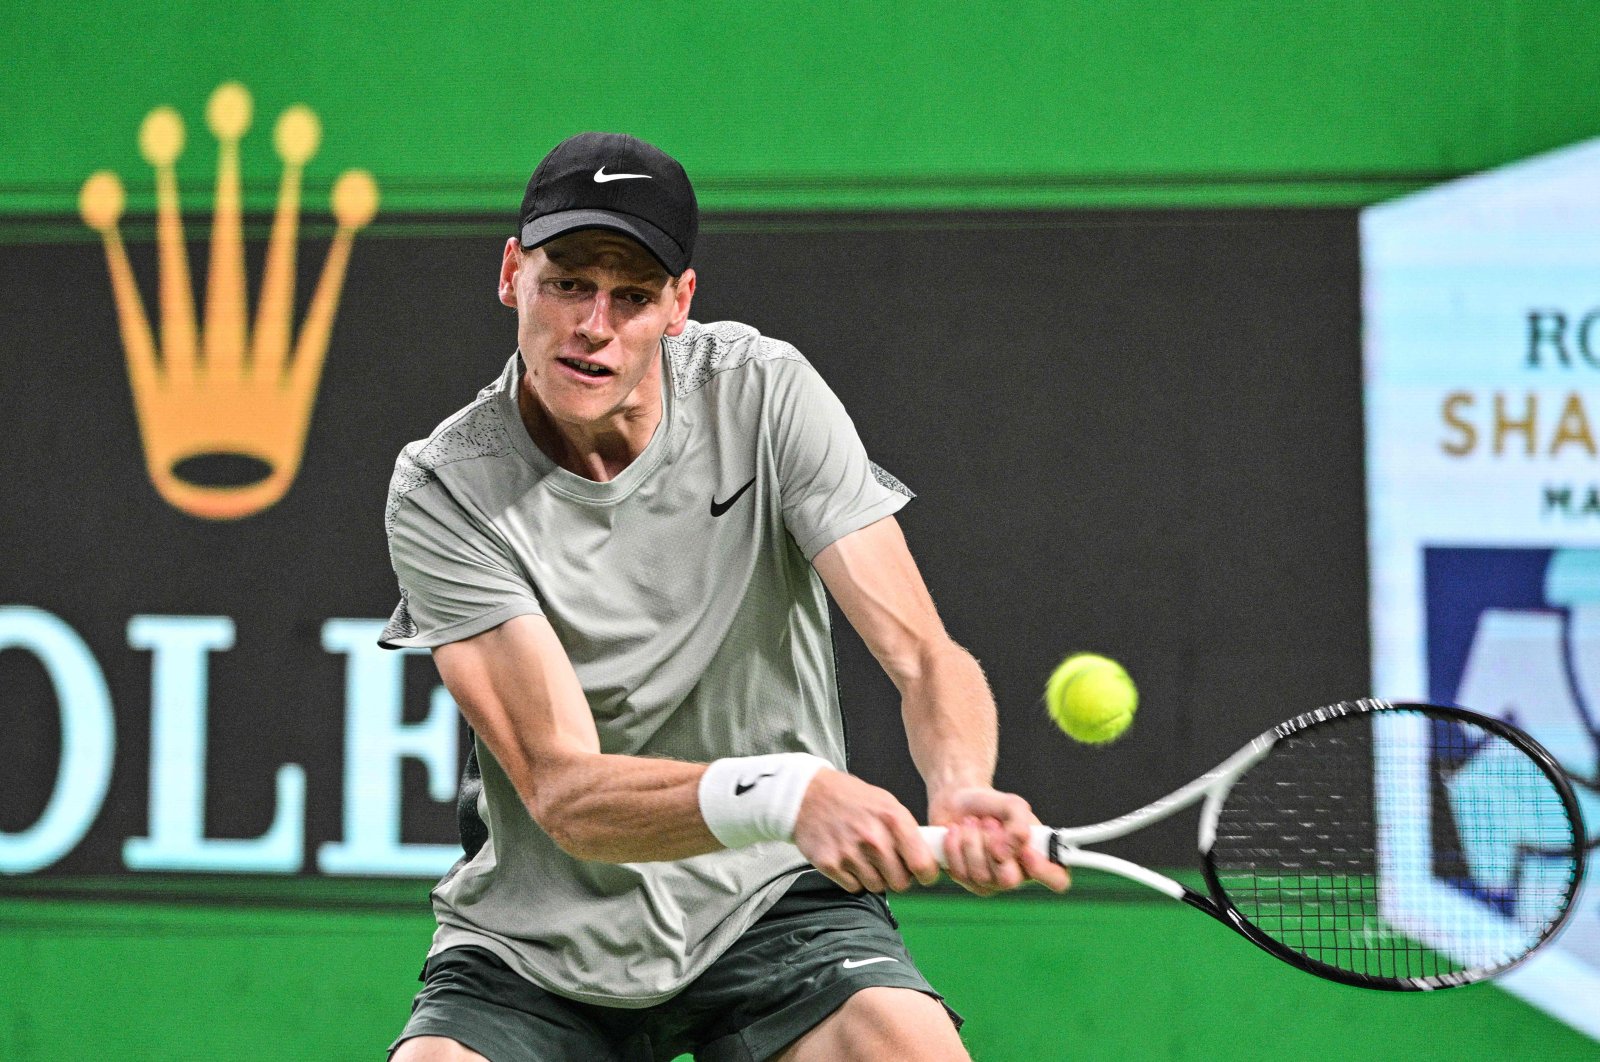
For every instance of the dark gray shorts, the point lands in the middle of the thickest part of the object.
(794, 967)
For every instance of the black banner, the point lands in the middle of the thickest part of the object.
(1132, 432)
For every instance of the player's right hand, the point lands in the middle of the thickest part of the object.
(860, 836)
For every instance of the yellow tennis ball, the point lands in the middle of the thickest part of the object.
(1091, 698)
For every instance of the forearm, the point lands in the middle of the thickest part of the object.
(622, 809)
(517, 689)
(625, 809)
(519, 692)
(953, 730)
(949, 713)
(950, 719)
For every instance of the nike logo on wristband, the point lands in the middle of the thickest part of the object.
(741, 788)
(851, 964)
(718, 508)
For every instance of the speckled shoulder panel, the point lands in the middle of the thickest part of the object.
(476, 431)
(703, 350)
(890, 481)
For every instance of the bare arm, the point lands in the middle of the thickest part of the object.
(949, 713)
(517, 688)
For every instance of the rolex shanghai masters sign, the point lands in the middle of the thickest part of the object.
(224, 386)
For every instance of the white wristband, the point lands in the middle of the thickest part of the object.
(746, 799)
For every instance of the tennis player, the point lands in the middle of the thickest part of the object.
(618, 554)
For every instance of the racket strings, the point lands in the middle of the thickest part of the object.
(1397, 845)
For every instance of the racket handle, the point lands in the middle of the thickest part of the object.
(1071, 856)
(934, 836)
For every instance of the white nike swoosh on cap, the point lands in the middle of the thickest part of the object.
(851, 964)
(601, 176)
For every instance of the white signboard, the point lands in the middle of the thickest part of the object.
(1482, 336)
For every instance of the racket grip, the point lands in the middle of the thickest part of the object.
(934, 836)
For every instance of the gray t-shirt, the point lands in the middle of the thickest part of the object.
(683, 593)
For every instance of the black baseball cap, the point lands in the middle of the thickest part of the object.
(617, 182)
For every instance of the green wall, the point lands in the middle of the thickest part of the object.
(1038, 102)
(775, 106)
(1091, 978)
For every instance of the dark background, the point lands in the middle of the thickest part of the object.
(1132, 432)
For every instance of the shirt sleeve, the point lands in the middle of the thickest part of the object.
(827, 485)
(456, 580)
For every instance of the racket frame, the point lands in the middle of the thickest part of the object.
(1064, 846)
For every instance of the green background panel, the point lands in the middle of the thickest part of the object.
(775, 106)
(1034, 103)
(1089, 978)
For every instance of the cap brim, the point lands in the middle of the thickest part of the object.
(547, 227)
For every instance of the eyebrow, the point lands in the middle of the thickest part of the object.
(654, 278)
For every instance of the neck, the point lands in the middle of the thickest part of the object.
(597, 451)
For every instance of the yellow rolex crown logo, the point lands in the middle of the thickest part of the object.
(224, 388)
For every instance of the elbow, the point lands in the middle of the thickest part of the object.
(553, 815)
(571, 838)
(558, 810)
(582, 841)
(916, 664)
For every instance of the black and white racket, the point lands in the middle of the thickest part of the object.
(1395, 846)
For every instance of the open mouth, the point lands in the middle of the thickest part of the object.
(587, 368)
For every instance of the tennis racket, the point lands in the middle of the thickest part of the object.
(1404, 847)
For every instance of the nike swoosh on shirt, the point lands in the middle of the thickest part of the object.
(601, 176)
(718, 508)
(851, 964)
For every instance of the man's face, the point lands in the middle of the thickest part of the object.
(592, 307)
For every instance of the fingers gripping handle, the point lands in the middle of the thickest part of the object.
(1048, 843)
(1039, 841)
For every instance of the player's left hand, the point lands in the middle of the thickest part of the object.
(986, 848)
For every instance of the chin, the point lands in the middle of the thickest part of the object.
(582, 409)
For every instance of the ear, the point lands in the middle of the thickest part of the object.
(510, 264)
(681, 300)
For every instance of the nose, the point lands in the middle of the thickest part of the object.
(596, 328)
